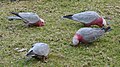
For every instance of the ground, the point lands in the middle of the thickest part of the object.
(58, 33)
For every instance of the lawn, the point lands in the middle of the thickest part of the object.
(58, 33)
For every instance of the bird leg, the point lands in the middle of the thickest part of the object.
(87, 25)
(44, 59)
(41, 57)
(85, 42)
(29, 24)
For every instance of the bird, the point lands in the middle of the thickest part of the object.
(39, 51)
(87, 35)
(29, 18)
(88, 18)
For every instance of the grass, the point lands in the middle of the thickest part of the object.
(58, 33)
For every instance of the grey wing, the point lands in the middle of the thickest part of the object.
(86, 17)
(83, 31)
(92, 35)
(14, 18)
(44, 50)
(31, 17)
(41, 49)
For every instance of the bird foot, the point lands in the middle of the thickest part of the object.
(87, 25)
(44, 59)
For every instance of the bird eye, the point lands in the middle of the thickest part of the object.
(32, 46)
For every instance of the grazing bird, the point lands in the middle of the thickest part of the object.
(87, 35)
(88, 18)
(30, 19)
(39, 51)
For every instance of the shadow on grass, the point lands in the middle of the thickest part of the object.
(84, 45)
(15, 27)
(77, 25)
(32, 60)
(26, 62)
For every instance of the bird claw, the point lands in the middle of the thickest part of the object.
(44, 59)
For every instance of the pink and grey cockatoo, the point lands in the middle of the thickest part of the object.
(39, 51)
(87, 35)
(29, 18)
(88, 18)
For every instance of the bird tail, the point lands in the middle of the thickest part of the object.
(13, 18)
(30, 53)
(107, 29)
(68, 16)
(15, 13)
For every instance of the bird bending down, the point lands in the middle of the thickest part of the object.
(30, 19)
(39, 51)
(88, 18)
(87, 35)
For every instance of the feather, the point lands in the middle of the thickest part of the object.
(38, 49)
(91, 34)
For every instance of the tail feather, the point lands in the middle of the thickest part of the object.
(15, 13)
(30, 53)
(13, 18)
(68, 16)
(107, 29)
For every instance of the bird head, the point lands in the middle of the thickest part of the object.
(76, 39)
(40, 23)
(105, 24)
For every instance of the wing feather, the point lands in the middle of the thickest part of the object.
(86, 17)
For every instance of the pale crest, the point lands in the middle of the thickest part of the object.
(75, 41)
(104, 22)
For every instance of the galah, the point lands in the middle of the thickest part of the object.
(39, 51)
(87, 35)
(88, 18)
(30, 19)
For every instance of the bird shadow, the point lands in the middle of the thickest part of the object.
(31, 61)
(14, 27)
(84, 45)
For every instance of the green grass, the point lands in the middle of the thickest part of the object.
(58, 34)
